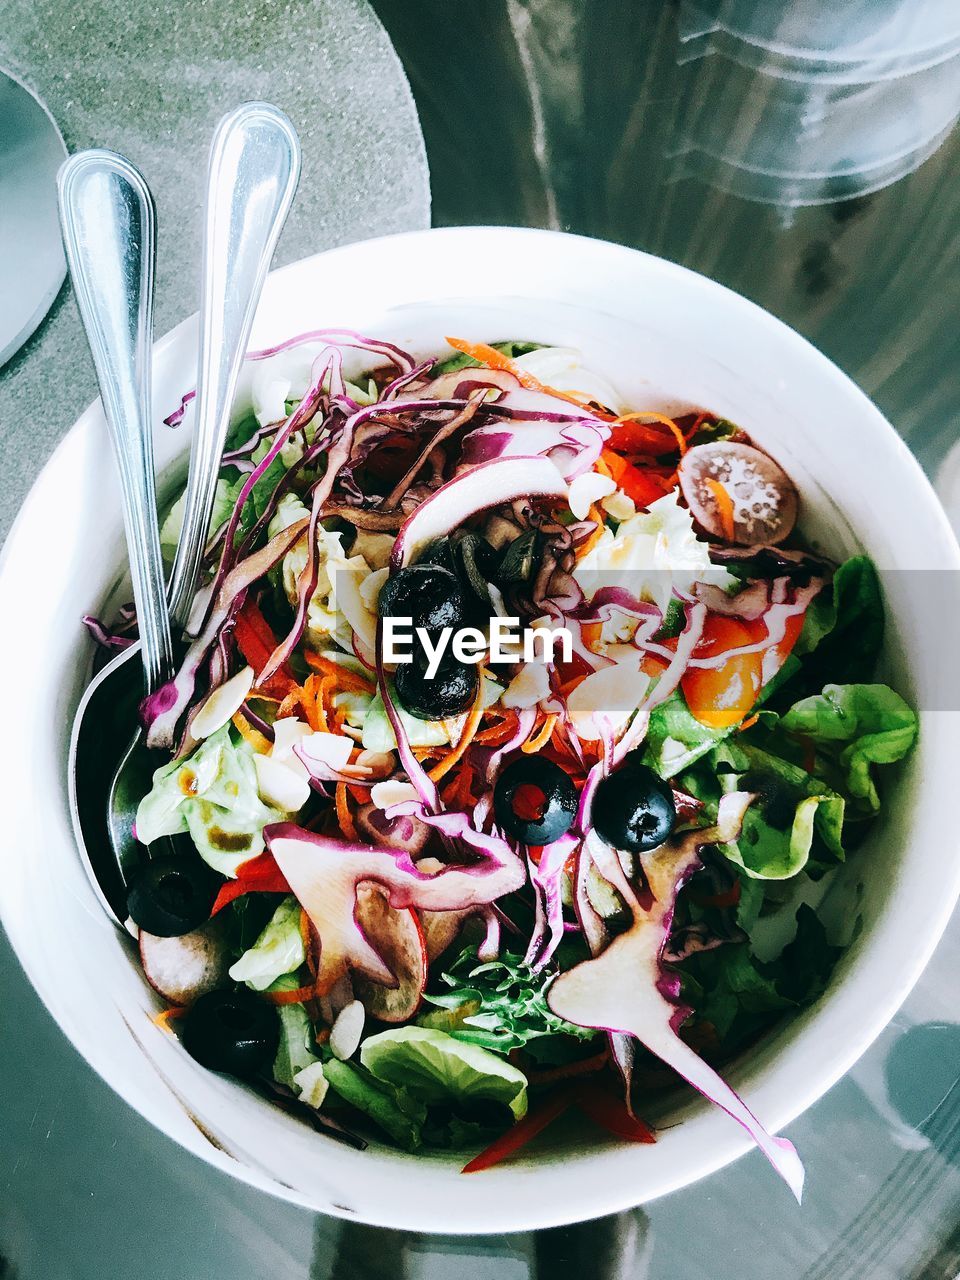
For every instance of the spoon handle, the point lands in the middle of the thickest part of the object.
(253, 174)
(108, 221)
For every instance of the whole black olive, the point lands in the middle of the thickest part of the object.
(233, 1031)
(428, 594)
(633, 808)
(172, 895)
(450, 692)
(534, 800)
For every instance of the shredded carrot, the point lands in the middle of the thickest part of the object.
(249, 734)
(542, 736)
(344, 678)
(300, 996)
(750, 722)
(313, 704)
(305, 935)
(344, 816)
(495, 735)
(163, 1018)
(586, 547)
(444, 766)
(590, 633)
(327, 712)
(292, 704)
(495, 359)
(458, 794)
(724, 506)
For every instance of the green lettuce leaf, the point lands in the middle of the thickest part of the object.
(842, 634)
(793, 816)
(225, 499)
(278, 951)
(395, 1110)
(295, 1050)
(213, 795)
(439, 1069)
(739, 994)
(856, 727)
(676, 739)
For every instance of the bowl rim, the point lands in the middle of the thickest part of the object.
(584, 1202)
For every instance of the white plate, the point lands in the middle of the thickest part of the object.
(664, 336)
(32, 265)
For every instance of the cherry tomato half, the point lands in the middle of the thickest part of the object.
(721, 696)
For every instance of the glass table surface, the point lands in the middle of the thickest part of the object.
(585, 117)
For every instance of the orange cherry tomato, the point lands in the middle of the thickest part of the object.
(721, 696)
(791, 634)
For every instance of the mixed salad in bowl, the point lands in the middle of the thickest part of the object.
(441, 900)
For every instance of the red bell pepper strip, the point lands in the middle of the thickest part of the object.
(522, 1132)
(257, 875)
(609, 1111)
(642, 485)
(256, 641)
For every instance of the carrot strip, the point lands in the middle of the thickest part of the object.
(542, 736)
(466, 737)
(292, 704)
(163, 1018)
(724, 506)
(586, 547)
(343, 676)
(750, 721)
(344, 816)
(249, 734)
(496, 735)
(495, 359)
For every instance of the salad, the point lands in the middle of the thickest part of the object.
(440, 897)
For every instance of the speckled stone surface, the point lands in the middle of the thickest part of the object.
(151, 80)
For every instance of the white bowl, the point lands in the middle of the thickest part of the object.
(664, 336)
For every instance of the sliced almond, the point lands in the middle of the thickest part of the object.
(222, 704)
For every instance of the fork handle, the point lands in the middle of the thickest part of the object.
(108, 221)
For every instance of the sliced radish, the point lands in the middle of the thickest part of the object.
(396, 936)
(763, 497)
(182, 969)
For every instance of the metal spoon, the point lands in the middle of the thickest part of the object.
(109, 233)
(253, 174)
